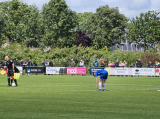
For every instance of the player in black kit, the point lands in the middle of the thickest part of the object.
(11, 69)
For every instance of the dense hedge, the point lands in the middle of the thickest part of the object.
(63, 56)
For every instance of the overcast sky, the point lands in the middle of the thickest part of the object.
(130, 8)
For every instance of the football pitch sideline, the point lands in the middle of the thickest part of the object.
(76, 97)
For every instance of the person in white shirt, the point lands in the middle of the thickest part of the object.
(81, 64)
(47, 64)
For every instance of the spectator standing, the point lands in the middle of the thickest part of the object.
(43, 64)
(125, 63)
(95, 64)
(112, 65)
(150, 65)
(121, 64)
(136, 64)
(72, 63)
(34, 64)
(131, 64)
(30, 63)
(25, 63)
(117, 64)
(139, 63)
(156, 64)
(103, 64)
(109, 64)
(50, 63)
(47, 64)
(21, 63)
(81, 64)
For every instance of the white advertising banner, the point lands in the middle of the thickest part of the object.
(53, 70)
(20, 69)
(121, 71)
(143, 71)
(157, 71)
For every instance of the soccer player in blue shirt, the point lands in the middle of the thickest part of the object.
(103, 76)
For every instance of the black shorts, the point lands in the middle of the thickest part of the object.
(10, 73)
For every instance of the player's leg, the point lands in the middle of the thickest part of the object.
(11, 77)
(100, 85)
(15, 81)
(8, 76)
(9, 81)
(106, 76)
(104, 80)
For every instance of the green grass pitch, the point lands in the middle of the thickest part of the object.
(76, 97)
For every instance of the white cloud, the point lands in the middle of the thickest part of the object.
(155, 4)
(36, 2)
(117, 3)
(74, 3)
(139, 4)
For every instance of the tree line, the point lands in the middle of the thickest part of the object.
(56, 25)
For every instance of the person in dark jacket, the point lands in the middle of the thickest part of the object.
(29, 63)
(103, 63)
(34, 63)
(150, 65)
(95, 64)
(139, 63)
(117, 64)
(43, 64)
(50, 63)
(21, 63)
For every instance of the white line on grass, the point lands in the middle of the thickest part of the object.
(84, 84)
(82, 90)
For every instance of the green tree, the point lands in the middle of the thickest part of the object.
(84, 23)
(32, 26)
(144, 30)
(1, 26)
(22, 22)
(109, 26)
(59, 24)
(13, 11)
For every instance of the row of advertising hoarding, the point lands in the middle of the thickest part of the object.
(66, 70)
(56, 70)
(82, 70)
(130, 71)
(134, 71)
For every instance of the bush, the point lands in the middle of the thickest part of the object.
(129, 56)
(150, 55)
(63, 56)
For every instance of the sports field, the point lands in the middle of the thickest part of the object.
(75, 97)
